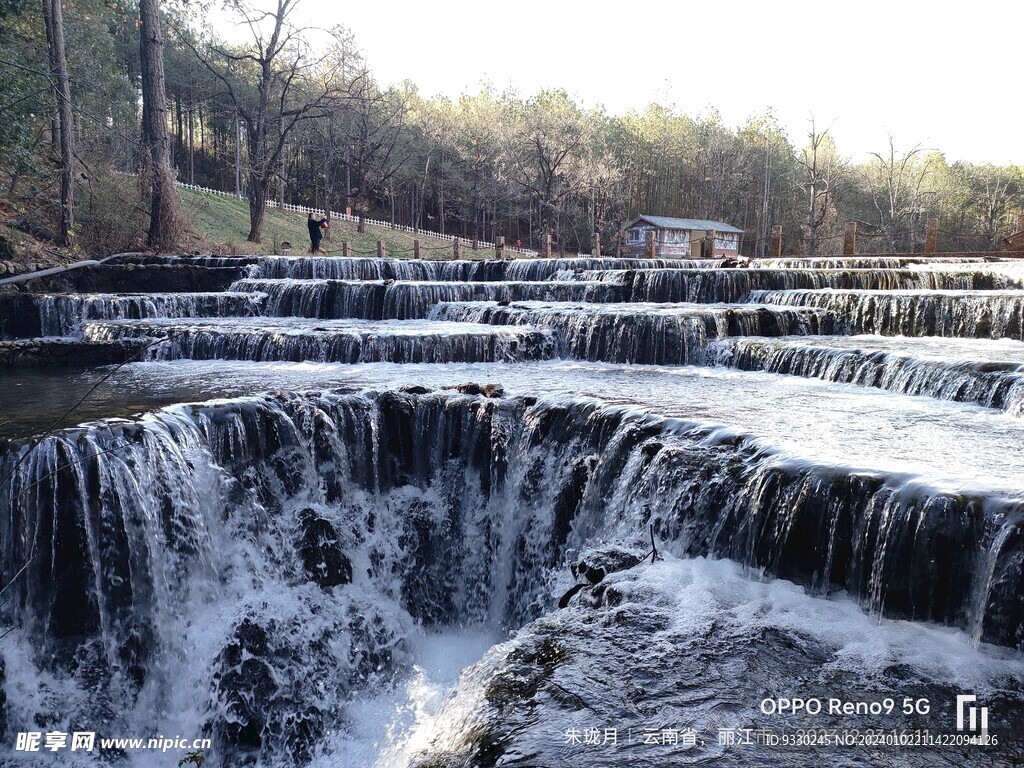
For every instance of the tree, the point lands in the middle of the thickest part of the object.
(824, 172)
(275, 84)
(895, 183)
(162, 212)
(53, 18)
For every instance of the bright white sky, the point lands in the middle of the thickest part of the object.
(942, 74)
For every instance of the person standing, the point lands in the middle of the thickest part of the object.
(315, 227)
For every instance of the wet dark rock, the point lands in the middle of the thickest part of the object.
(415, 389)
(147, 278)
(597, 563)
(19, 317)
(246, 686)
(320, 547)
(592, 567)
(470, 388)
(49, 352)
(280, 679)
(627, 662)
(493, 390)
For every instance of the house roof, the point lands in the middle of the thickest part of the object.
(671, 222)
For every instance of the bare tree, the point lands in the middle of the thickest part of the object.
(163, 207)
(53, 19)
(824, 172)
(895, 183)
(275, 83)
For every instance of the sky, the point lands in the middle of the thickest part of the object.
(938, 74)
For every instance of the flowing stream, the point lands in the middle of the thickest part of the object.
(400, 514)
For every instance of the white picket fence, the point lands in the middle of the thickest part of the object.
(372, 222)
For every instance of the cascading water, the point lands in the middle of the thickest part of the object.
(976, 314)
(456, 455)
(63, 314)
(380, 300)
(631, 333)
(288, 545)
(518, 270)
(331, 341)
(732, 285)
(938, 370)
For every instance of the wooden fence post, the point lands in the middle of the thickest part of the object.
(850, 239)
(380, 249)
(499, 247)
(416, 249)
(650, 250)
(457, 249)
(344, 248)
(931, 236)
(775, 250)
(597, 245)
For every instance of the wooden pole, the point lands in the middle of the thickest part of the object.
(380, 249)
(416, 249)
(344, 248)
(597, 245)
(546, 252)
(457, 249)
(850, 239)
(775, 251)
(475, 244)
(650, 248)
(712, 235)
(361, 227)
(931, 236)
(499, 247)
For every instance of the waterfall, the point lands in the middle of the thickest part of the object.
(991, 384)
(630, 333)
(732, 285)
(61, 314)
(281, 539)
(379, 300)
(333, 342)
(992, 315)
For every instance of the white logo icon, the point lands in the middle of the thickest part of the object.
(972, 714)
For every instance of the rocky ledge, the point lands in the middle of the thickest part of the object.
(50, 352)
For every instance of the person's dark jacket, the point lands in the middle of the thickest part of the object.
(314, 228)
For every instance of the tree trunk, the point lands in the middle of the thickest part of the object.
(259, 190)
(54, 21)
(191, 144)
(163, 206)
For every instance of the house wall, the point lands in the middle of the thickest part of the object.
(679, 243)
(726, 243)
(668, 243)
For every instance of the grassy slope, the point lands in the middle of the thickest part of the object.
(223, 222)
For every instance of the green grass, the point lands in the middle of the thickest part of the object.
(222, 224)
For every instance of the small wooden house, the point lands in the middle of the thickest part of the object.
(682, 238)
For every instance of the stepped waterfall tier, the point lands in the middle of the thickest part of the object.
(400, 513)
